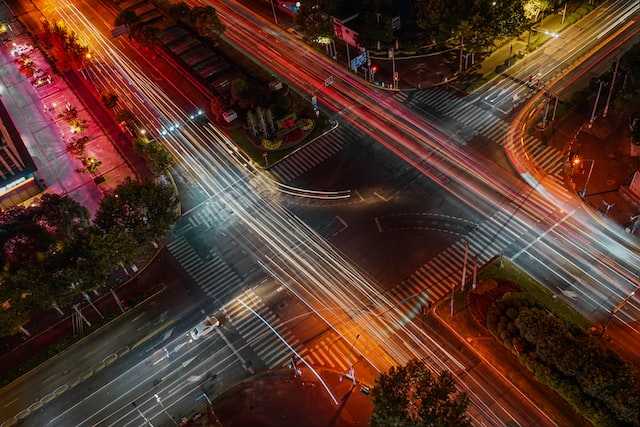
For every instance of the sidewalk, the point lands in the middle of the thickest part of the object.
(278, 399)
(510, 50)
(601, 166)
(482, 343)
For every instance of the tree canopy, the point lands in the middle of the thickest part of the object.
(412, 396)
(144, 209)
(50, 251)
(594, 379)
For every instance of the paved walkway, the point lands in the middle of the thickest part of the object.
(278, 399)
(605, 146)
(34, 112)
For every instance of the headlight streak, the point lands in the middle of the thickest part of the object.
(320, 271)
(281, 338)
(399, 117)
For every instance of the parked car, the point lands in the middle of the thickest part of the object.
(42, 81)
(204, 327)
(23, 59)
(21, 49)
(39, 72)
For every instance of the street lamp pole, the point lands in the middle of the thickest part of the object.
(275, 17)
(584, 189)
(613, 82)
(595, 105)
(164, 409)
(146, 420)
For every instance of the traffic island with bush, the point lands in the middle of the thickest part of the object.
(552, 341)
(263, 117)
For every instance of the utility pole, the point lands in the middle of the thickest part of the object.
(613, 82)
(564, 11)
(595, 104)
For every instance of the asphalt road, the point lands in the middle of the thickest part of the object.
(136, 379)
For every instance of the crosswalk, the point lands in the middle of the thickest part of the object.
(212, 275)
(209, 215)
(271, 345)
(313, 154)
(435, 279)
(486, 124)
(331, 352)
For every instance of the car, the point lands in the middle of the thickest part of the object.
(23, 59)
(42, 81)
(39, 73)
(21, 49)
(204, 327)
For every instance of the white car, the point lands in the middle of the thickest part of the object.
(21, 49)
(204, 327)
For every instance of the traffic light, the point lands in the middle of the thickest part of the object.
(374, 69)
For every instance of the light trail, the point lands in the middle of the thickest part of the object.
(411, 138)
(319, 273)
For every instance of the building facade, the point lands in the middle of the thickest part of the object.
(17, 170)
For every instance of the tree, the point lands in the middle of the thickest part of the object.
(127, 18)
(206, 22)
(145, 209)
(157, 156)
(412, 395)
(315, 21)
(533, 9)
(180, 11)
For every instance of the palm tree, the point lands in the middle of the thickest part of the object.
(127, 18)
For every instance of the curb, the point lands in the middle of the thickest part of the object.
(61, 353)
(446, 324)
(334, 126)
(125, 283)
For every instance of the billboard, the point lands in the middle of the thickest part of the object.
(345, 33)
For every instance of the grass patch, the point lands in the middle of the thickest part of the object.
(507, 271)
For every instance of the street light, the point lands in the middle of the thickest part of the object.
(142, 414)
(583, 193)
(273, 8)
(164, 409)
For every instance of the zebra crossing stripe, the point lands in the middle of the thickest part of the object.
(311, 156)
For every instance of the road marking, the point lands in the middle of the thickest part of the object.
(10, 403)
(226, 340)
(375, 193)
(541, 236)
(151, 334)
(377, 220)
